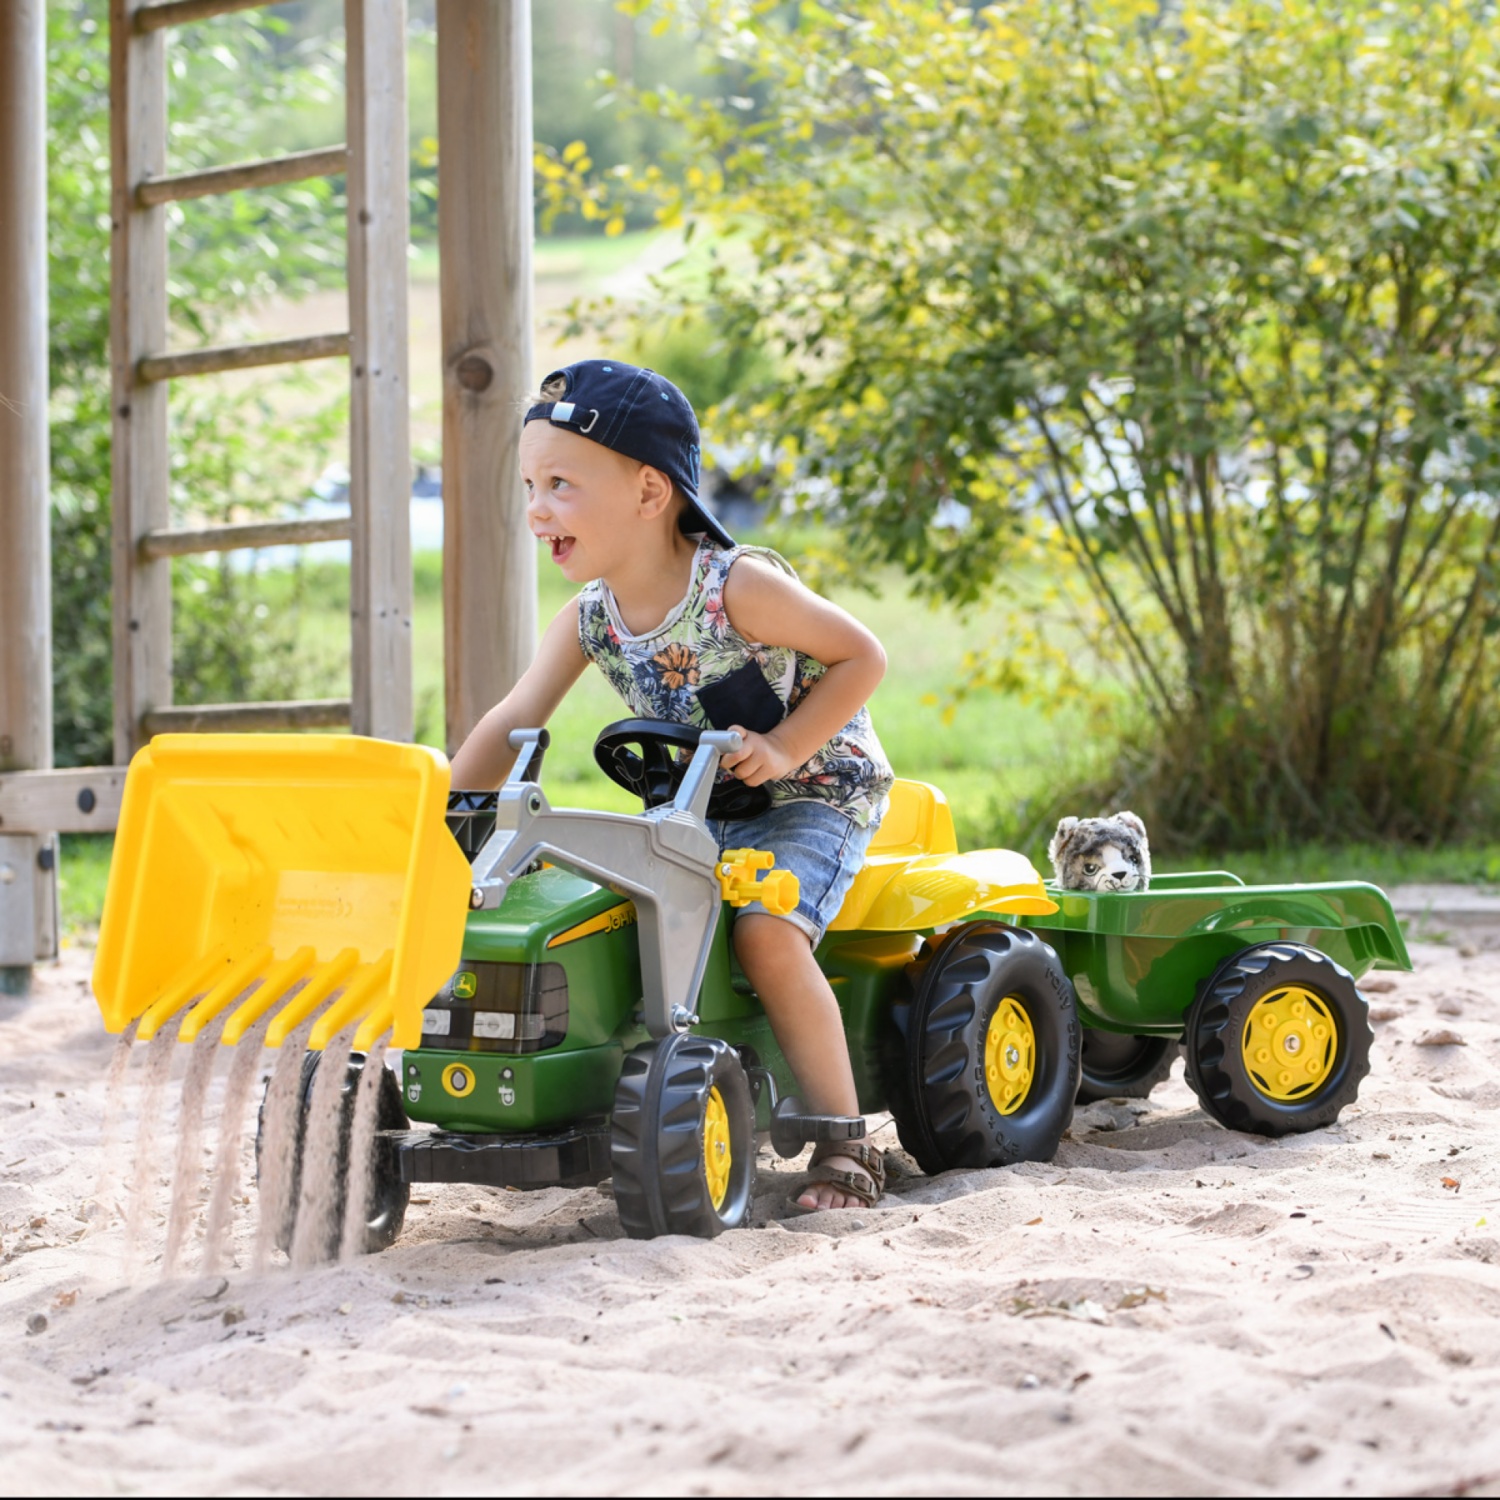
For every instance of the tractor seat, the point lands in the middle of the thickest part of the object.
(915, 878)
(917, 821)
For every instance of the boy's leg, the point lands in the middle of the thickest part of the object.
(778, 961)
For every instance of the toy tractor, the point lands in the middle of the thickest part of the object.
(1255, 984)
(589, 1020)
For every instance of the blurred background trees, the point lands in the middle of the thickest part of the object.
(1171, 328)
(1195, 305)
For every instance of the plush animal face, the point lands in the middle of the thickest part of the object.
(1101, 854)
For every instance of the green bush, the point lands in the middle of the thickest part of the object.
(703, 360)
(1199, 301)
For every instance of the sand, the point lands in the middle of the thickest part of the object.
(1166, 1308)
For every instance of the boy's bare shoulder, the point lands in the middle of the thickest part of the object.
(760, 573)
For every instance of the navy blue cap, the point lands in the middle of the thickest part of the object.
(640, 414)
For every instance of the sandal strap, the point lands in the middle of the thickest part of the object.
(862, 1186)
(867, 1185)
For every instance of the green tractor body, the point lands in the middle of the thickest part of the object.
(596, 1025)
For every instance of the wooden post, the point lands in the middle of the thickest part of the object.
(138, 287)
(379, 410)
(484, 243)
(28, 871)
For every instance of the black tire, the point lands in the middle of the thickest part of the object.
(1115, 1066)
(658, 1150)
(1230, 1087)
(946, 1112)
(389, 1195)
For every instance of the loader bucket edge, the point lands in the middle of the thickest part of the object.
(244, 861)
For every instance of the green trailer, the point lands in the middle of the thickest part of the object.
(1255, 984)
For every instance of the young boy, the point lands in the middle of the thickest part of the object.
(689, 627)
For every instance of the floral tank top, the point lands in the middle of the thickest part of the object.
(696, 668)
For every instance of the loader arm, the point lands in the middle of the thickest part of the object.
(664, 859)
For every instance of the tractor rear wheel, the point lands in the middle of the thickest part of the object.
(1123, 1067)
(989, 1067)
(682, 1139)
(1278, 1041)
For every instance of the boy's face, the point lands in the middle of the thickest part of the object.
(580, 498)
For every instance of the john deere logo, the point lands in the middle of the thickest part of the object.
(465, 985)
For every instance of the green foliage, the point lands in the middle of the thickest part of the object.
(1210, 291)
(695, 355)
(239, 449)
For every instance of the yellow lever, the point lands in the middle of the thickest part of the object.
(777, 892)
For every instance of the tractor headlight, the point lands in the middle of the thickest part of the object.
(498, 1007)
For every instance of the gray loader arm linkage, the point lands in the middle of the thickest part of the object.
(666, 859)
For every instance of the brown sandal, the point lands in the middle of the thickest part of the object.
(866, 1185)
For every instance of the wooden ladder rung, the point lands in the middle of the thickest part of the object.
(243, 356)
(245, 535)
(312, 713)
(298, 167)
(177, 12)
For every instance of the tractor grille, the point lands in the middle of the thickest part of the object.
(498, 1007)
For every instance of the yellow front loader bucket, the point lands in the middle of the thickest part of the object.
(246, 865)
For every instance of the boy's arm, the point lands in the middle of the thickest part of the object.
(768, 607)
(484, 759)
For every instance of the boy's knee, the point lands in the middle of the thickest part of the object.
(757, 936)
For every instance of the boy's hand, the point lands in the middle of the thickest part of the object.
(761, 758)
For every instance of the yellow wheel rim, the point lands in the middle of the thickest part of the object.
(1009, 1055)
(458, 1079)
(718, 1156)
(1290, 1041)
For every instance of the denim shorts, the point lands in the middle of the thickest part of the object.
(820, 846)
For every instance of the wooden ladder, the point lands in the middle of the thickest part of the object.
(378, 523)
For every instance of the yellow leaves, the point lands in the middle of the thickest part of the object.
(574, 151)
(615, 226)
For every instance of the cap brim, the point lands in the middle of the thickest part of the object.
(695, 517)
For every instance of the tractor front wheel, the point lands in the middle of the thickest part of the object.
(1278, 1040)
(682, 1139)
(989, 1068)
(388, 1195)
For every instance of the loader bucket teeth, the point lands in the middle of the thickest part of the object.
(258, 871)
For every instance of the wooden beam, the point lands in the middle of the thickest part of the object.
(485, 242)
(178, 12)
(380, 584)
(242, 537)
(297, 167)
(138, 328)
(78, 800)
(227, 718)
(156, 367)
(28, 926)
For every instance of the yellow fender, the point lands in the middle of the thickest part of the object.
(935, 889)
(914, 878)
(246, 865)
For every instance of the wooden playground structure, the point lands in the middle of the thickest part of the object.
(485, 246)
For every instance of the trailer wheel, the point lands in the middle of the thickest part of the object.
(1123, 1067)
(1278, 1040)
(389, 1195)
(682, 1139)
(990, 1060)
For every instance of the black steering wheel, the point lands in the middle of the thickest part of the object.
(642, 755)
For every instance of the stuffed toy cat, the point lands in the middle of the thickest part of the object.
(1101, 854)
